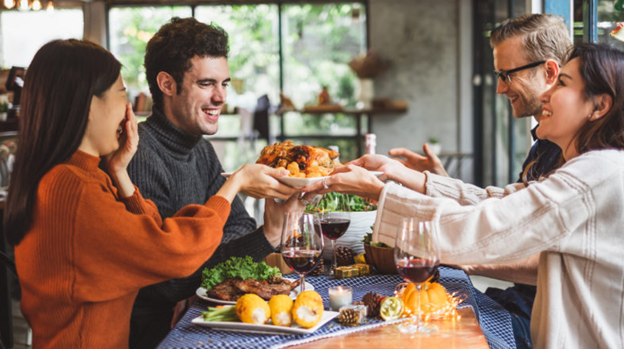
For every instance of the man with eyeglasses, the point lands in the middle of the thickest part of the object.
(527, 52)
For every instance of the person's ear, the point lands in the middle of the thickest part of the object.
(603, 102)
(166, 83)
(552, 71)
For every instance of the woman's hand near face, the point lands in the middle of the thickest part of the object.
(349, 179)
(258, 181)
(128, 143)
(117, 162)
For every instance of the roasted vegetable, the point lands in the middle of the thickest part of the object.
(252, 309)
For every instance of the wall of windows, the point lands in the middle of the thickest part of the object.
(23, 33)
(317, 41)
(130, 28)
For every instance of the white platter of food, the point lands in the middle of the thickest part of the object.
(267, 328)
(203, 294)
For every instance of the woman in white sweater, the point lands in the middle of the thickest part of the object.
(574, 217)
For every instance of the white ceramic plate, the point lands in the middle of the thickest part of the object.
(266, 328)
(298, 183)
(202, 293)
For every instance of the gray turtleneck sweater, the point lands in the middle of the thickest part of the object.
(175, 169)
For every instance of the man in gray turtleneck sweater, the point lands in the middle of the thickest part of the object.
(174, 166)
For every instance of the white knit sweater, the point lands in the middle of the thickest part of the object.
(575, 218)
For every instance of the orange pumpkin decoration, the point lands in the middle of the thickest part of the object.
(433, 297)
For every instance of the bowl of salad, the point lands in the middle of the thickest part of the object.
(362, 215)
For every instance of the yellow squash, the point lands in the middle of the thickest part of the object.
(252, 309)
(308, 309)
(281, 310)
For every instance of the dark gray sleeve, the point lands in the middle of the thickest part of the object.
(239, 222)
(149, 174)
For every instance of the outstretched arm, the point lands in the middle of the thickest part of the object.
(430, 162)
(524, 271)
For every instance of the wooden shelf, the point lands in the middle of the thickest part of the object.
(356, 113)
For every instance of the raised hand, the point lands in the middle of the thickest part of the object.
(430, 162)
(128, 141)
(117, 162)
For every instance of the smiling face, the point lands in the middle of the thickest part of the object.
(106, 115)
(197, 107)
(526, 85)
(566, 109)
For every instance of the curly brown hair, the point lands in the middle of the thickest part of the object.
(175, 44)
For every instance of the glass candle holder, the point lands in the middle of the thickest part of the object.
(339, 296)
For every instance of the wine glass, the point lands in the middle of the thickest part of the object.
(335, 216)
(302, 243)
(417, 258)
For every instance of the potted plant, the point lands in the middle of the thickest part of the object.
(4, 109)
(434, 145)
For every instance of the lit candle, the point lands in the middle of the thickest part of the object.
(340, 296)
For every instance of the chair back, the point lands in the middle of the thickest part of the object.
(6, 316)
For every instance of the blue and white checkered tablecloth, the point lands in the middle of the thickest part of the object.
(494, 320)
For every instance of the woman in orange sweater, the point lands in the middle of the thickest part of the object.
(86, 244)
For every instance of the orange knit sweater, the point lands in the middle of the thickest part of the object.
(88, 252)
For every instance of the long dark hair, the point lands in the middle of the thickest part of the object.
(62, 79)
(602, 70)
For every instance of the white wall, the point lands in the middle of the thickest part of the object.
(423, 40)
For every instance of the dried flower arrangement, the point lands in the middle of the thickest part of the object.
(369, 65)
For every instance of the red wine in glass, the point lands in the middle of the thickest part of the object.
(333, 228)
(301, 261)
(416, 270)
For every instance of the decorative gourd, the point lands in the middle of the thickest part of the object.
(433, 297)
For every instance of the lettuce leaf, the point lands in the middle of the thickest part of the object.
(355, 203)
(237, 267)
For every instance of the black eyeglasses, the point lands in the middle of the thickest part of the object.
(505, 75)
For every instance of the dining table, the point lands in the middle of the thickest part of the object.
(481, 322)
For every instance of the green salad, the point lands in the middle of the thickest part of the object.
(355, 203)
(237, 268)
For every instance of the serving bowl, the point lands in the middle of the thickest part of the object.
(382, 258)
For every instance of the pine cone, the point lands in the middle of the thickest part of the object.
(319, 270)
(372, 301)
(275, 279)
(344, 256)
(349, 317)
